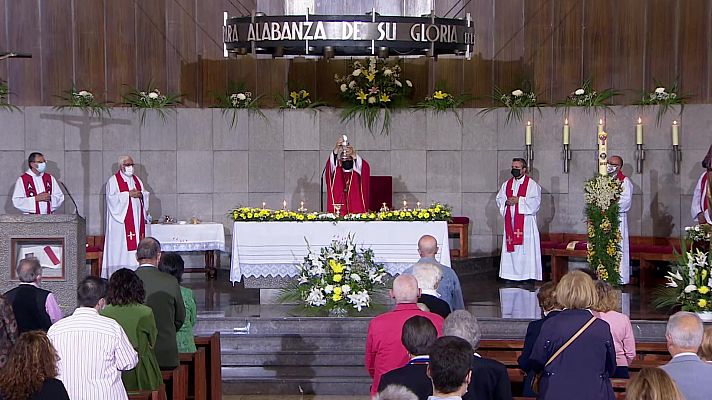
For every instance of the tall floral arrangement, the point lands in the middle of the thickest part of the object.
(151, 99)
(665, 97)
(688, 282)
(83, 100)
(371, 87)
(604, 237)
(339, 278)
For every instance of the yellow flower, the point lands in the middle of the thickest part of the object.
(337, 290)
(249, 215)
(311, 217)
(385, 98)
(372, 215)
(703, 289)
(294, 96)
(300, 217)
(337, 267)
(361, 96)
(440, 95)
(401, 214)
(426, 215)
(370, 76)
(336, 297)
(390, 214)
(702, 303)
(304, 93)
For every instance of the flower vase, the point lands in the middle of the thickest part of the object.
(705, 316)
(340, 312)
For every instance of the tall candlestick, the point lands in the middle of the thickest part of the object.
(639, 132)
(675, 133)
(602, 153)
(528, 134)
(566, 131)
(600, 125)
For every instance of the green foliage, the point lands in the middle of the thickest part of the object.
(236, 98)
(151, 99)
(517, 102)
(589, 99)
(665, 98)
(83, 100)
(604, 237)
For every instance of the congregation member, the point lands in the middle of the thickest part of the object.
(574, 351)
(35, 308)
(36, 191)
(615, 165)
(348, 178)
(92, 350)
(417, 337)
(8, 330)
(125, 305)
(621, 329)
(518, 200)
(172, 264)
(384, 349)
(31, 371)
(126, 217)
(705, 351)
(490, 379)
(429, 277)
(449, 368)
(652, 384)
(449, 287)
(396, 392)
(701, 208)
(164, 297)
(549, 307)
(683, 334)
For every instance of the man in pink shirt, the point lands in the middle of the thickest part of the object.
(384, 349)
(34, 308)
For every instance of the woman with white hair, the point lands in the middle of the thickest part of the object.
(429, 276)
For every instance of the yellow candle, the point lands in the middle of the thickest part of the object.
(600, 125)
(675, 133)
(528, 134)
(639, 132)
(566, 131)
(602, 153)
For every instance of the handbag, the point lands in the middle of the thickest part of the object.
(537, 378)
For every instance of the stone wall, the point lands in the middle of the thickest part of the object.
(195, 164)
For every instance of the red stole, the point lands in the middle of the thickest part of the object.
(514, 234)
(620, 176)
(29, 184)
(131, 238)
(350, 189)
(705, 193)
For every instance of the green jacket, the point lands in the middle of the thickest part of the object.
(140, 327)
(186, 339)
(164, 297)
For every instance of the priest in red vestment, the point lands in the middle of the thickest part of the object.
(347, 180)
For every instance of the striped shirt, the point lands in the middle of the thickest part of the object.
(93, 350)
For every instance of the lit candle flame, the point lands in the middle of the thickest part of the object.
(264, 205)
(674, 122)
(529, 123)
(640, 121)
(566, 121)
(600, 121)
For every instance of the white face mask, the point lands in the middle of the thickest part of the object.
(129, 170)
(41, 167)
(611, 169)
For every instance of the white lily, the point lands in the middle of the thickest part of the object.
(579, 92)
(241, 96)
(517, 93)
(690, 288)
(660, 90)
(356, 72)
(343, 87)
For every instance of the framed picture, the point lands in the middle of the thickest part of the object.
(49, 252)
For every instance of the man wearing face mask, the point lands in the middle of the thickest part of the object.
(126, 213)
(702, 197)
(37, 192)
(615, 163)
(347, 179)
(518, 201)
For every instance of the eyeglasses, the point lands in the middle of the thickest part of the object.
(129, 165)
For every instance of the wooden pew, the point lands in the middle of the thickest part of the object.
(211, 344)
(197, 374)
(158, 394)
(176, 382)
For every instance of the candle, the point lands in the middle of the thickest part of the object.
(602, 153)
(566, 131)
(284, 204)
(639, 132)
(528, 135)
(405, 204)
(600, 125)
(264, 205)
(417, 205)
(675, 133)
(301, 204)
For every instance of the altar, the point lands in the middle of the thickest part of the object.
(265, 254)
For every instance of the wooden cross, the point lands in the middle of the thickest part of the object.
(131, 236)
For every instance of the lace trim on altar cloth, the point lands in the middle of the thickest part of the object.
(193, 246)
(290, 270)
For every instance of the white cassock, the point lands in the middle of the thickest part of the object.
(625, 202)
(701, 192)
(116, 254)
(27, 205)
(525, 261)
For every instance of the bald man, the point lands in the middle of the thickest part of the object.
(449, 289)
(615, 164)
(384, 348)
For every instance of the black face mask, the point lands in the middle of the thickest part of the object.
(347, 164)
(516, 172)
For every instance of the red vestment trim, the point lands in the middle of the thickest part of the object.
(339, 186)
(515, 234)
(129, 227)
(704, 197)
(29, 185)
(620, 176)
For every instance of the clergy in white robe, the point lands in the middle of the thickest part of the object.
(701, 207)
(518, 201)
(37, 192)
(126, 218)
(615, 163)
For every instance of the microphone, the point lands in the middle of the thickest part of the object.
(76, 209)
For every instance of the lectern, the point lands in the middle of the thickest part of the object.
(58, 241)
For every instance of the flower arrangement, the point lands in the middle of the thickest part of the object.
(371, 87)
(83, 100)
(698, 233)
(588, 98)
(339, 278)
(5, 97)
(237, 98)
(436, 212)
(601, 194)
(689, 282)
(297, 99)
(663, 97)
(442, 101)
(517, 101)
(151, 99)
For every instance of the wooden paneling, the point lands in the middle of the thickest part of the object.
(509, 71)
(89, 49)
(661, 48)
(568, 49)
(151, 44)
(598, 39)
(3, 40)
(629, 37)
(24, 77)
(694, 43)
(538, 34)
(120, 45)
(182, 50)
(57, 66)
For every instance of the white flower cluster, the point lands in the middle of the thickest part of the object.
(241, 100)
(518, 98)
(686, 276)
(698, 233)
(84, 94)
(602, 191)
(661, 94)
(152, 98)
(581, 98)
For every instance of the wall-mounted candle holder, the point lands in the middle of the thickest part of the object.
(677, 159)
(529, 156)
(639, 158)
(567, 158)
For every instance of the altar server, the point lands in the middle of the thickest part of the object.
(126, 217)
(702, 197)
(37, 192)
(518, 201)
(615, 163)
(347, 179)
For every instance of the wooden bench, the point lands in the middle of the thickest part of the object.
(211, 345)
(458, 228)
(158, 394)
(95, 253)
(197, 374)
(176, 382)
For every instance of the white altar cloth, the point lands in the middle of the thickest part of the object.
(189, 237)
(261, 249)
